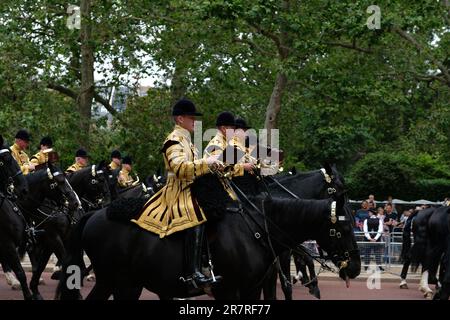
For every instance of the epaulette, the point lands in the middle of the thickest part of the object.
(171, 139)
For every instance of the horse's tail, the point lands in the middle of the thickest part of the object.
(74, 257)
(420, 231)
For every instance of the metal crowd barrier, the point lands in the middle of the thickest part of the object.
(385, 253)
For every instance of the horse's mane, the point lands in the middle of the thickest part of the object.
(298, 207)
(76, 177)
(249, 184)
(125, 209)
(298, 175)
(36, 177)
(211, 196)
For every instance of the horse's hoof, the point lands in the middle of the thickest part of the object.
(37, 296)
(315, 292)
(90, 278)
(42, 281)
(10, 278)
(403, 285)
(16, 285)
(428, 295)
(424, 290)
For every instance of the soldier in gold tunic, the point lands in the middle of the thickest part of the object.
(225, 124)
(172, 208)
(22, 141)
(81, 161)
(116, 159)
(41, 157)
(125, 179)
(240, 141)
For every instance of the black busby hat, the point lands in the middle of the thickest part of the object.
(46, 141)
(241, 124)
(185, 107)
(23, 135)
(225, 119)
(81, 153)
(127, 160)
(116, 154)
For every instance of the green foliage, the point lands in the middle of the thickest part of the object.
(352, 92)
(401, 175)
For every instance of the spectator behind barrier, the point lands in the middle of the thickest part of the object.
(372, 202)
(391, 217)
(373, 230)
(362, 214)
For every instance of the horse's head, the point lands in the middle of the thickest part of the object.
(337, 238)
(10, 172)
(333, 181)
(59, 189)
(91, 183)
(98, 184)
(318, 184)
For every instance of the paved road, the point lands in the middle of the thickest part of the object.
(331, 289)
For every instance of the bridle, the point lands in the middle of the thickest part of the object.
(94, 182)
(340, 256)
(9, 179)
(328, 179)
(55, 184)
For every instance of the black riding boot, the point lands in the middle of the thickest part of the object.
(194, 245)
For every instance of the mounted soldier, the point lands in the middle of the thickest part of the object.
(268, 159)
(226, 125)
(45, 154)
(173, 208)
(125, 179)
(22, 141)
(241, 142)
(116, 160)
(81, 161)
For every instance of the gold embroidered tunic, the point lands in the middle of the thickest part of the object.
(113, 166)
(172, 208)
(75, 167)
(125, 179)
(21, 157)
(217, 146)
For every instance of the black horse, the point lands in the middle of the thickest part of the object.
(126, 258)
(318, 184)
(443, 293)
(418, 251)
(12, 222)
(430, 235)
(50, 206)
(91, 186)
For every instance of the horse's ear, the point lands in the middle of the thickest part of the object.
(158, 171)
(1, 140)
(328, 168)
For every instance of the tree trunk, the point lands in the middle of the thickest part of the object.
(274, 106)
(283, 45)
(86, 94)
